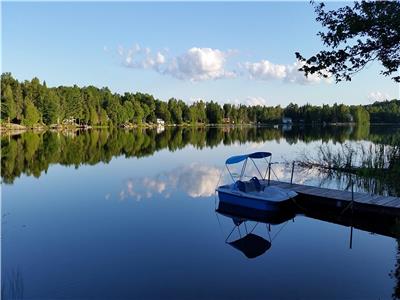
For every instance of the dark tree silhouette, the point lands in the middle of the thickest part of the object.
(368, 31)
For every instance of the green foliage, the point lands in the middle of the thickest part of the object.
(360, 115)
(94, 117)
(163, 112)
(368, 31)
(379, 112)
(175, 110)
(8, 105)
(384, 112)
(51, 108)
(214, 113)
(139, 112)
(32, 153)
(31, 114)
(94, 106)
(103, 117)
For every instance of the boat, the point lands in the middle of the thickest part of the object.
(255, 193)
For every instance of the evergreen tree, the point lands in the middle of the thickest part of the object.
(139, 113)
(94, 118)
(214, 113)
(8, 107)
(51, 104)
(31, 114)
(360, 115)
(103, 117)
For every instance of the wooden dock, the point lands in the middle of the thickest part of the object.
(337, 198)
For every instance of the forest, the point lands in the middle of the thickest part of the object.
(31, 103)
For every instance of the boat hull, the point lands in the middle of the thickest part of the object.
(241, 199)
(273, 217)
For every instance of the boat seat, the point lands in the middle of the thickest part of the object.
(248, 186)
(257, 184)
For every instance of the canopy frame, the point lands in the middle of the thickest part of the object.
(255, 155)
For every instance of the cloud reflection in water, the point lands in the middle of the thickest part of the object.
(195, 180)
(198, 180)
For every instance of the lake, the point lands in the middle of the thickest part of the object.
(118, 214)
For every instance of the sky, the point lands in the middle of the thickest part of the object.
(229, 52)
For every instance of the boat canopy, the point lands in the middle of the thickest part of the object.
(257, 155)
(244, 157)
(238, 158)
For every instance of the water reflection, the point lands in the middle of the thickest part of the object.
(395, 274)
(32, 153)
(195, 180)
(243, 235)
(199, 180)
(254, 245)
(369, 221)
(12, 285)
(80, 245)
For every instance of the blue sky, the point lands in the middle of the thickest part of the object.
(227, 52)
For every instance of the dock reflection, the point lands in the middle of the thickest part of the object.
(253, 245)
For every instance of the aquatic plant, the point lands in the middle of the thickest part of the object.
(372, 167)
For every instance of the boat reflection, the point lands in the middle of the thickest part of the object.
(253, 245)
(248, 242)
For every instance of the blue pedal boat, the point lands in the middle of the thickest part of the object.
(255, 193)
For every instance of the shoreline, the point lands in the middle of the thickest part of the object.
(19, 129)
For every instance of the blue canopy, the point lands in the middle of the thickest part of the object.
(238, 158)
(260, 155)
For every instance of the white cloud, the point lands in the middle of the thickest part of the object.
(296, 76)
(196, 64)
(378, 96)
(199, 64)
(249, 101)
(254, 101)
(266, 70)
(141, 58)
(196, 180)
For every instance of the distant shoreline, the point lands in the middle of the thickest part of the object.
(16, 128)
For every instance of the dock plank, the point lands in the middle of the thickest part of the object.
(337, 195)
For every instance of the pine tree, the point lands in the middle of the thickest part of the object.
(31, 114)
(94, 118)
(8, 107)
(51, 108)
(103, 117)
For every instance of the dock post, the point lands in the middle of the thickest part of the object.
(352, 193)
(352, 190)
(269, 172)
(291, 177)
(351, 237)
(352, 206)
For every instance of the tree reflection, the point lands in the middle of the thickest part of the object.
(32, 153)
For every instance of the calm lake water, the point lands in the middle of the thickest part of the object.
(131, 215)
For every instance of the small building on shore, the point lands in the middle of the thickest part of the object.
(160, 122)
(286, 120)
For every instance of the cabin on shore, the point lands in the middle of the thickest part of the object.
(287, 120)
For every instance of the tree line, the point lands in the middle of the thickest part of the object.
(31, 102)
